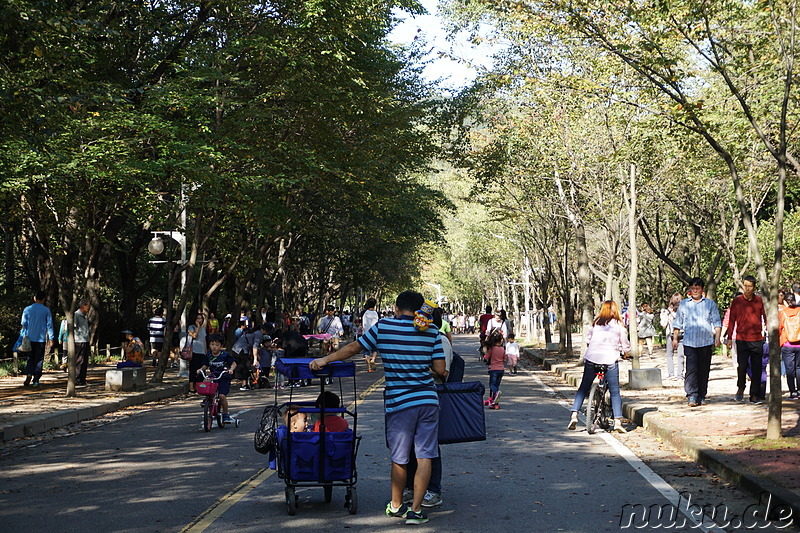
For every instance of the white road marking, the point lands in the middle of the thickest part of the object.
(656, 481)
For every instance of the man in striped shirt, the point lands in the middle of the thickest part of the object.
(156, 327)
(698, 318)
(410, 399)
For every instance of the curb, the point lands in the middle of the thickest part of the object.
(646, 416)
(41, 423)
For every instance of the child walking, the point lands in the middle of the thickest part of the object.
(496, 358)
(512, 351)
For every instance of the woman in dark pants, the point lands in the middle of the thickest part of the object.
(197, 337)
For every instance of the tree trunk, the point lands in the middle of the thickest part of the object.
(584, 285)
(8, 259)
(774, 425)
(632, 318)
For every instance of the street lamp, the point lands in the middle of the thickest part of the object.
(156, 247)
(438, 291)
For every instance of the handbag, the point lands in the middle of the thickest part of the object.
(187, 351)
(25, 345)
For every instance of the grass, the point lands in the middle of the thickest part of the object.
(762, 443)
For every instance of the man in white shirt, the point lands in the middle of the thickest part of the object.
(332, 325)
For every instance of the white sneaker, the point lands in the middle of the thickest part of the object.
(573, 421)
(618, 426)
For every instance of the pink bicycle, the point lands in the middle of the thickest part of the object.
(212, 408)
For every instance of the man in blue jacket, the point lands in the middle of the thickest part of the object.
(37, 324)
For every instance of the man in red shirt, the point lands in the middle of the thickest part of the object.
(747, 318)
(483, 321)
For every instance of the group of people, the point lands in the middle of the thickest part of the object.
(693, 329)
(498, 348)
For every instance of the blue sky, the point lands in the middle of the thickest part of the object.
(457, 73)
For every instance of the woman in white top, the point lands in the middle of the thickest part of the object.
(607, 338)
(369, 319)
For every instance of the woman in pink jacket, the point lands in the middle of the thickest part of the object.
(606, 340)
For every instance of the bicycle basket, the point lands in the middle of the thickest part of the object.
(206, 388)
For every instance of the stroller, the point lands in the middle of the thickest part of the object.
(324, 459)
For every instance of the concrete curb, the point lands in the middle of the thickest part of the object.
(41, 423)
(647, 417)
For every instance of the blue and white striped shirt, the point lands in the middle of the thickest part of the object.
(697, 319)
(407, 355)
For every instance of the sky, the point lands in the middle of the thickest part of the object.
(457, 74)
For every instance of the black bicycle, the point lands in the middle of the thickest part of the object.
(599, 412)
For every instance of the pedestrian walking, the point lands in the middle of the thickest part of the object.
(369, 319)
(496, 359)
(156, 327)
(674, 356)
(789, 318)
(483, 321)
(82, 341)
(408, 352)
(698, 319)
(606, 339)
(37, 325)
(512, 351)
(645, 328)
(748, 320)
(196, 338)
(245, 351)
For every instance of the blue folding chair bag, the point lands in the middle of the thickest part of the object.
(338, 455)
(461, 412)
(302, 458)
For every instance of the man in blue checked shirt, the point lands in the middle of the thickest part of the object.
(698, 318)
(410, 399)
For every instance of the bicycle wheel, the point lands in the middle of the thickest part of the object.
(206, 415)
(606, 414)
(594, 408)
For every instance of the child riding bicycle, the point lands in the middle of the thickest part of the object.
(222, 364)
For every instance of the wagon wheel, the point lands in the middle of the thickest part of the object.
(351, 500)
(291, 501)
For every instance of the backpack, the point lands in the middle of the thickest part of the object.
(265, 437)
(792, 327)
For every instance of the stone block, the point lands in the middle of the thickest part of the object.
(644, 378)
(551, 347)
(124, 379)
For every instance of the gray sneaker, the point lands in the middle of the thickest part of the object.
(431, 499)
(408, 496)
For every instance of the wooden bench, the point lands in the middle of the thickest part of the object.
(125, 379)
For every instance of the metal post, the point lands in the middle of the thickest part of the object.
(528, 321)
(183, 371)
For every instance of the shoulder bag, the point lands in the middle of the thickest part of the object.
(187, 351)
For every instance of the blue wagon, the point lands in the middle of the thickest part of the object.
(321, 458)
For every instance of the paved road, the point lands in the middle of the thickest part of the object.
(158, 471)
